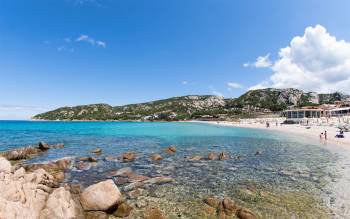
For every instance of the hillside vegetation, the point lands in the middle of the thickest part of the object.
(196, 106)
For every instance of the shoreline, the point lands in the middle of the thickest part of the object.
(292, 129)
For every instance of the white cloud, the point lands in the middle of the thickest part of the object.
(316, 61)
(261, 62)
(184, 82)
(233, 85)
(90, 40)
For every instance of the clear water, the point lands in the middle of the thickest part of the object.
(286, 165)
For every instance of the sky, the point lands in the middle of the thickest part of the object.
(57, 53)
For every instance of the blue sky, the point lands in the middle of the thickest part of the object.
(69, 52)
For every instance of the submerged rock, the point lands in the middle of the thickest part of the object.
(88, 159)
(159, 180)
(101, 196)
(195, 158)
(171, 149)
(83, 166)
(110, 158)
(97, 151)
(156, 157)
(153, 213)
(212, 156)
(128, 156)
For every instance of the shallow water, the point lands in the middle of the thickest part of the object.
(299, 175)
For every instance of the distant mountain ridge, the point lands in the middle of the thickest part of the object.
(196, 106)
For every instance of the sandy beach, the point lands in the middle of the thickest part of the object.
(311, 131)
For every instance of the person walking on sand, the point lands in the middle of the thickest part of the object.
(325, 135)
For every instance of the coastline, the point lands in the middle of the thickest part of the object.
(291, 129)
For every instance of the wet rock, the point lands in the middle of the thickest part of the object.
(156, 157)
(96, 215)
(88, 159)
(101, 196)
(110, 158)
(170, 149)
(134, 193)
(83, 166)
(137, 178)
(97, 151)
(123, 210)
(43, 146)
(60, 204)
(153, 213)
(133, 186)
(229, 206)
(159, 180)
(212, 201)
(123, 171)
(244, 213)
(195, 158)
(223, 156)
(128, 156)
(5, 165)
(212, 156)
(121, 180)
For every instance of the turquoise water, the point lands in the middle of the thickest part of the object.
(286, 164)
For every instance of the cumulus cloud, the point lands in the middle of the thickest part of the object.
(90, 40)
(316, 61)
(233, 85)
(261, 62)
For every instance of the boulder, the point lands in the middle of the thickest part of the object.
(229, 206)
(101, 196)
(212, 201)
(5, 165)
(21, 153)
(123, 210)
(159, 180)
(170, 149)
(96, 215)
(97, 151)
(156, 157)
(223, 156)
(128, 156)
(244, 213)
(60, 204)
(43, 146)
(212, 156)
(153, 213)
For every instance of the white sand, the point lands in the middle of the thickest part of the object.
(313, 132)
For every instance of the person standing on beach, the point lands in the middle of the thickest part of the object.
(325, 135)
(321, 135)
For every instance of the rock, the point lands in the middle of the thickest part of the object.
(133, 186)
(59, 176)
(229, 206)
(60, 204)
(159, 180)
(24, 195)
(128, 156)
(134, 193)
(223, 156)
(5, 165)
(156, 157)
(83, 166)
(244, 213)
(96, 215)
(63, 163)
(58, 146)
(170, 149)
(21, 153)
(88, 159)
(195, 158)
(101, 196)
(238, 157)
(153, 213)
(212, 201)
(137, 178)
(97, 151)
(121, 180)
(123, 171)
(43, 146)
(209, 210)
(212, 156)
(110, 158)
(123, 210)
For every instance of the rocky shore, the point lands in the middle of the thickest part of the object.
(78, 187)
